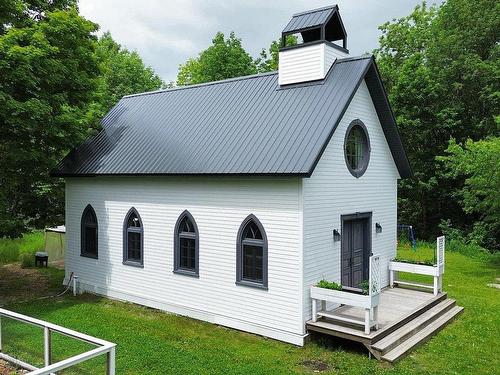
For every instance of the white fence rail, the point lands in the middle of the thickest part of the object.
(103, 347)
(374, 280)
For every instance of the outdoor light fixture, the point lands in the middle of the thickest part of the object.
(378, 228)
(336, 235)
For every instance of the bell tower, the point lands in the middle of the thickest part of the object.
(321, 39)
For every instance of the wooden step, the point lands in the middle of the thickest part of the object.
(401, 334)
(421, 336)
(388, 329)
(340, 330)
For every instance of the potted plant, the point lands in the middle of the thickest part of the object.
(333, 292)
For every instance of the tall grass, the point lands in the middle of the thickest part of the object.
(12, 249)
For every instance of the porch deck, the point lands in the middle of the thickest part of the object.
(406, 317)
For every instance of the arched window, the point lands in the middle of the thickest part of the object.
(133, 239)
(88, 247)
(357, 148)
(186, 245)
(251, 255)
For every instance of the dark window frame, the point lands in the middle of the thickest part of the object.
(126, 231)
(83, 233)
(240, 241)
(177, 245)
(360, 171)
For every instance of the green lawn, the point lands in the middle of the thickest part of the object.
(154, 342)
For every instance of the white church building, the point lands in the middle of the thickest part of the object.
(227, 201)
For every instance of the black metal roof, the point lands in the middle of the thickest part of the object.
(242, 126)
(310, 18)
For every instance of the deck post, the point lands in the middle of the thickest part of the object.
(435, 288)
(367, 321)
(391, 278)
(314, 310)
(375, 316)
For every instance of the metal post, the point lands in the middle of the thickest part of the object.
(47, 346)
(111, 361)
(74, 285)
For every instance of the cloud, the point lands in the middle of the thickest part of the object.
(167, 33)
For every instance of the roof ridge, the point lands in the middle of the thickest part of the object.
(315, 10)
(366, 56)
(234, 79)
(242, 78)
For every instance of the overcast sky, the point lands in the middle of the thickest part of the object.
(166, 33)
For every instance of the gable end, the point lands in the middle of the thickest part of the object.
(386, 117)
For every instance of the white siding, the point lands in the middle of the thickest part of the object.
(308, 63)
(331, 54)
(332, 191)
(218, 205)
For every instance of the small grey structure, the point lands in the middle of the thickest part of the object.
(227, 201)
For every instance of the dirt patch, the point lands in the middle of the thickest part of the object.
(19, 284)
(315, 365)
(57, 264)
(8, 369)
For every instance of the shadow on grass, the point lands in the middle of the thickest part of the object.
(337, 343)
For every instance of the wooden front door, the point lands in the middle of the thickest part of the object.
(356, 250)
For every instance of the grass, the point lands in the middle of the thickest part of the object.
(154, 342)
(12, 249)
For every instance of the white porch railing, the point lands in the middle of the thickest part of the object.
(368, 302)
(436, 271)
(104, 347)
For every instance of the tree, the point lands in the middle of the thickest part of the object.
(441, 68)
(47, 75)
(56, 82)
(121, 73)
(269, 60)
(225, 58)
(479, 163)
(22, 13)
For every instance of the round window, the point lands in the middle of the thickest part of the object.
(357, 148)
